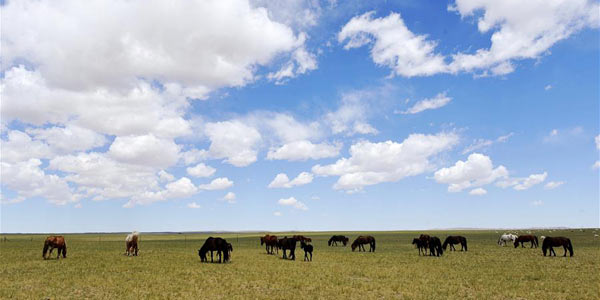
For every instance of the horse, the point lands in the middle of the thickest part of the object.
(420, 245)
(270, 242)
(302, 238)
(131, 244)
(288, 244)
(55, 241)
(435, 246)
(507, 238)
(455, 239)
(215, 244)
(337, 238)
(425, 241)
(361, 241)
(550, 242)
(308, 249)
(526, 238)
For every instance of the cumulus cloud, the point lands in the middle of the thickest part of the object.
(220, 183)
(436, 102)
(303, 150)
(71, 138)
(146, 150)
(282, 180)
(553, 184)
(201, 170)
(483, 143)
(476, 171)
(350, 118)
(233, 140)
(291, 201)
(373, 163)
(521, 184)
(229, 197)
(478, 192)
(193, 205)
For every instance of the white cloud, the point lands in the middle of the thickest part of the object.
(394, 45)
(483, 143)
(554, 132)
(537, 203)
(282, 180)
(193, 156)
(233, 140)
(146, 150)
(521, 184)
(220, 183)
(193, 205)
(596, 165)
(436, 102)
(351, 116)
(548, 87)
(277, 213)
(521, 30)
(201, 170)
(229, 197)
(372, 163)
(478, 192)
(164, 176)
(64, 140)
(477, 170)
(303, 150)
(19, 147)
(553, 184)
(291, 201)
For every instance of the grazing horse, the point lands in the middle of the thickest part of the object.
(308, 249)
(270, 242)
(361, 241)
(302, 238)
(215, 244)
(422, 246)
(550, 242)
(507, 238)
(338, 238)
(435, 246)
(55, 241)
(425, 239)
(527, 238)
(455, 239)
(131, 244)
(288, 244)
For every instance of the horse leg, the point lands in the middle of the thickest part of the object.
(211, 256)
(565, 247)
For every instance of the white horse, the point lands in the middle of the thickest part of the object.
(505, 238)
(131, 243)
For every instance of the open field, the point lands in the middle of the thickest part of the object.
(169, 267)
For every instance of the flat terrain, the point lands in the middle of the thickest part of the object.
(169, 267)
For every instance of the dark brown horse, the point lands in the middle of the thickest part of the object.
(215, 244)
(308, 249)
(131, 244)
(301, 238)
(338, 238)
(435, 246)
(425, 240)
(421, 245)
(526, 238)
(55, 241)
(270, 242)
(550, 242)
(288, 244)
(361, 241)
(453, 240)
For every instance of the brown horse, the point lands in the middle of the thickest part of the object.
(288, 244)
(301, 238)
(425, 241)
(270, 242)
(55, 241)
(453, 240)
(550, 242)
(361, 241)
(337, 238)
(131, 244)
(526, 238)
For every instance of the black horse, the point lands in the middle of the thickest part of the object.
(337, 238)
(421, 245)
(215, 244)
(288, 244)
(550, 242)
(435, 246)
(308, 249)
(455, 239)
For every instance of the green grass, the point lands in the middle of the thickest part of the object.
(169, 267)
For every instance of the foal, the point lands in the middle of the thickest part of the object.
(308, 249)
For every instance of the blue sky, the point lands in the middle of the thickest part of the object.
(302, 115)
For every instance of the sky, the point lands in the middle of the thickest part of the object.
(298, 115)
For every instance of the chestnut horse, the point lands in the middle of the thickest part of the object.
(361, 241)
(550, 242)
(455, 239)
(301, 238)
(131, 244)
(337, 238)
(526, 238)
(55, 241)
(270, 242)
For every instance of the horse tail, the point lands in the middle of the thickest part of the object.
(465, 241)
(445, 245)
(536, 240)
(64, 250)
(373, 245)
(439, 247)
(570, 247)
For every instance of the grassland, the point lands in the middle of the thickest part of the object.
(168, 268)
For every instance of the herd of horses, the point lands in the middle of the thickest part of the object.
(288, 245)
